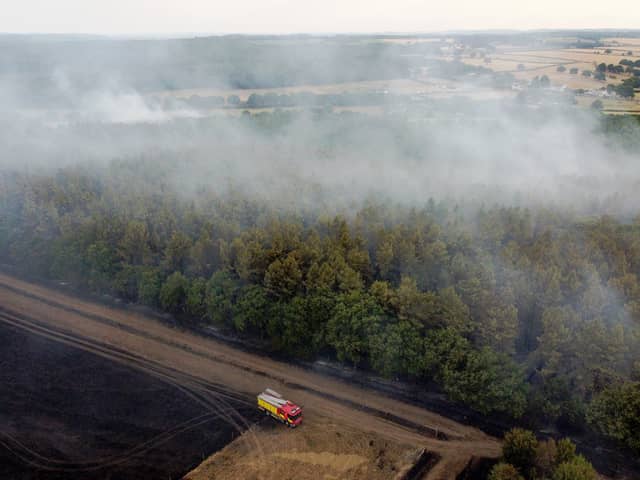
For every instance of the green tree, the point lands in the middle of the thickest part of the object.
(220, 298)
(355, 317)
(556, 344)
(125, 282)
(283, 277)
(174, 292)
(176, 254)
(444, 349)
(484, 380)
(488, 382)
(149, 286)
(577, 469)
(565, 451)
(615, 412)
(134, 246)
(412, 304)
(204, 257)
(333, 275)
(504, 471)
(195, 301)
(320, 309)
(398, 350)
(384, 258)
(289, 328)
(101, 263)
(452, 311)
(251, 311)
(519, 449)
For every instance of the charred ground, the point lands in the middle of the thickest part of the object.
(66, 412)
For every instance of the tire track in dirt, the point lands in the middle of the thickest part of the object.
(198, 390)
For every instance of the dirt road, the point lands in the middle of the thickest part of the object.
(209, 371)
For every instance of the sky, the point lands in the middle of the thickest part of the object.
(148, 17)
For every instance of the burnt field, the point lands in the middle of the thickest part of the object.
(73, 414)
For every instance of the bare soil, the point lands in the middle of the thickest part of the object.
(319, 449)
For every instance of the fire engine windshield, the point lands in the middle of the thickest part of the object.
(295, 417)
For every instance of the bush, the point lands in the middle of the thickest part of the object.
(565, 451)
(519, 449)
(504, 471)
(524, 457)
(577, 469)
(546, 458)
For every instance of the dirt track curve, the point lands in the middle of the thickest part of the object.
(211, 373)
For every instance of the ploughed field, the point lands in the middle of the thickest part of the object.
(68, 413)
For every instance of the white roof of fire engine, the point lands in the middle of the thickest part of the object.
(273, 393)
(272, 400)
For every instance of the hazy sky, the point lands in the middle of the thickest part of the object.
(287, 16)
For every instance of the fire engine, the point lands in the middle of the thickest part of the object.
(273, 404)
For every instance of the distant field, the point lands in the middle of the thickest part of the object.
(620, 41)
(546, 61)
(613, 106)
(504, 64)
(235, 112)
(565, 78)
(433, 87)
(412, 40)
(394, 86)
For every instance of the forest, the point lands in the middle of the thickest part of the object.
(529, 310)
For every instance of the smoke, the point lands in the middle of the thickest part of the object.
(469, 151)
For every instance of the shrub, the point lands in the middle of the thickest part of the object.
(504, 471)
(519, 449)
(577, 469)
